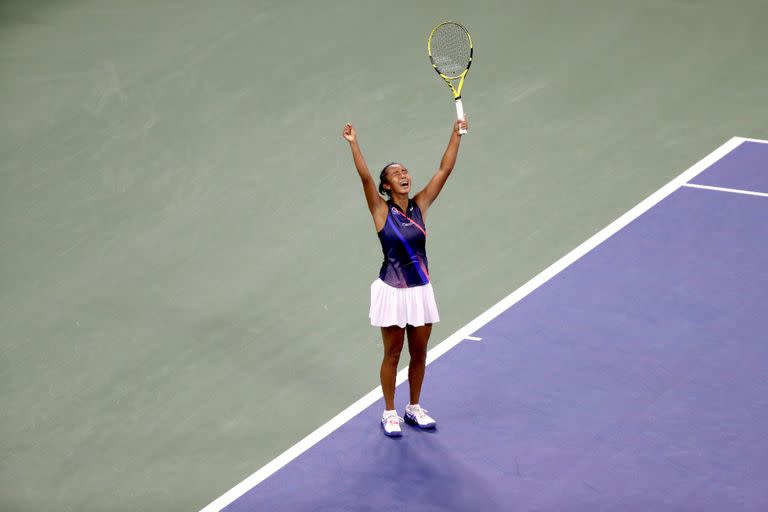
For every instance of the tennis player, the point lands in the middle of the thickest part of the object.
(402, 300)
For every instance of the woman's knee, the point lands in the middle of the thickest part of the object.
(418, 338)
(392, 358)
(418, 354)
(393, 344)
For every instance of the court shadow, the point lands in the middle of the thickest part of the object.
(420, 472)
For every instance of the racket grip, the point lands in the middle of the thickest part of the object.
(460, 115)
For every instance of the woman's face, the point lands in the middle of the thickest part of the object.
(398, 179)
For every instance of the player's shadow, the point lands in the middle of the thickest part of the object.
(421, 472)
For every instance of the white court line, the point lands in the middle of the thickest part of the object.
(473, 338)
(723, 189)
(453, 340)
(746, 139)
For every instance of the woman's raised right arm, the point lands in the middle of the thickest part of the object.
(376, 204)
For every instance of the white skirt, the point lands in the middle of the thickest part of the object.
(402, 306)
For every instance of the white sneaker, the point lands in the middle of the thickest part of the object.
(415, 415)
(390, 422)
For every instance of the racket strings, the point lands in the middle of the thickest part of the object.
(450, 49)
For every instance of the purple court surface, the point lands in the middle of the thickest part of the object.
(634, 379)
(746, 168)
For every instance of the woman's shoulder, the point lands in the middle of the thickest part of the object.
(413, 205)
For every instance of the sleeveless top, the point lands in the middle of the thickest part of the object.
(403, 241)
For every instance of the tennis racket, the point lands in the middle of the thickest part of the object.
(450, 50)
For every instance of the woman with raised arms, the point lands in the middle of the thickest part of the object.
(402, 300)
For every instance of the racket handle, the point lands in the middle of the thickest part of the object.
(460, 115)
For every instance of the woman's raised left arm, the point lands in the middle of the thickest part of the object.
(428, 195)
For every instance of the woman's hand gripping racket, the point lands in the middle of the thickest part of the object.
(450, 50)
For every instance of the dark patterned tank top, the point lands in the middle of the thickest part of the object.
(403, 241)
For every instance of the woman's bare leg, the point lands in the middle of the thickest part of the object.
(393, 337)
(418, 337)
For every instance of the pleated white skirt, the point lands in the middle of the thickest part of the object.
(402, 306)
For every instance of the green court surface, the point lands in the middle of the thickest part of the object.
(185, 251)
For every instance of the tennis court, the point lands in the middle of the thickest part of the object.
(186, 255)
(630, 375)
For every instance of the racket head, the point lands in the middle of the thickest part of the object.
(450, 50)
